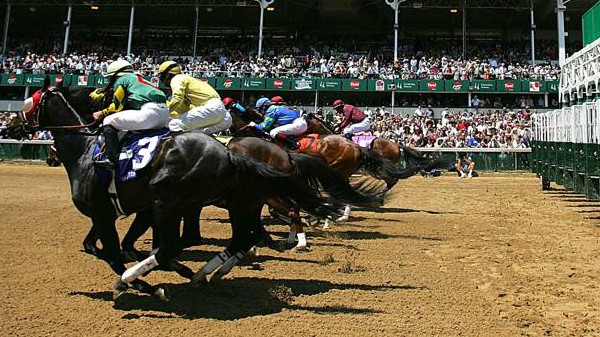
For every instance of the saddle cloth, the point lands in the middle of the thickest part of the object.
(364, 140)
(137, 151)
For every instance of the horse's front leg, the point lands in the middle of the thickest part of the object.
(104, 227)
(89, 244)
(142, 222)
(191, 227)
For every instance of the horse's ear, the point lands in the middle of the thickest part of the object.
(46, 83)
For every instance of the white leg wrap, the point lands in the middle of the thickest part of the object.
(134, 272)
(215, 263)
(347, 210)
(327, 224)
(301, 240)
(229, 264)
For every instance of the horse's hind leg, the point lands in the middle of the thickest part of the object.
(246, 227)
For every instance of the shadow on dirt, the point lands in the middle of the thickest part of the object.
(366, 235)
(238, 298)
(398, 210)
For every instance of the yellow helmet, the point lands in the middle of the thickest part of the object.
(168, 67)
(118, 68)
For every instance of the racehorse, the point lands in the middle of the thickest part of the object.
(384, 147)
(306, 166)
(188, 168)
(343, 155)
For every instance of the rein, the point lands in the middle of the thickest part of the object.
(76, 129)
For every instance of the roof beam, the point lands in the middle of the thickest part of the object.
(164, 3)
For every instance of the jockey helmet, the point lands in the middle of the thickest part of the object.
(119, 68)
(277, 100)
(338, 103)
(263, 102)
(228, 101)
(168, 67)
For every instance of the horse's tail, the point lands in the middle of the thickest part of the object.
(381, 168)
(316, 171)
(269, 183)
(416, 157)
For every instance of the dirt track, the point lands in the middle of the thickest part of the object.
(491, 256)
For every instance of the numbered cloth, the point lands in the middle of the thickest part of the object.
(137, 151)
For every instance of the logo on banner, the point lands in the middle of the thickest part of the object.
(534, 86)
(305, 85)
(431, 85)
(509, 86)
(12, 79)
(82, 80)
(379, 85)
(553, 86)
(457, 85)
(278, 84)
(154, 80)
(354, 84)
(227, 83)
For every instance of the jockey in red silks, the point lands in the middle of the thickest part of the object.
(354, 119)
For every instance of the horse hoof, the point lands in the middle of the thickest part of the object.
(199, 279)
(119, 289)
(343, 218)
(163, 294)
(253, 252)
(300, 249)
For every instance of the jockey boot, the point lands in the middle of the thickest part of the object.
(112, 148)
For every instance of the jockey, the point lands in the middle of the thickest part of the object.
(194, 104)
(277, 100)
(232, 106)
(284, 123)
(354, 119)
(136, 105)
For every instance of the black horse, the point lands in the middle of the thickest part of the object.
(189, 168)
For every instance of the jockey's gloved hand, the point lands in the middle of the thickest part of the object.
(251, 124)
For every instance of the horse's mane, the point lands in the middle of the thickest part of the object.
(79, 98)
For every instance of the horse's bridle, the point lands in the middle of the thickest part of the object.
(35, 117)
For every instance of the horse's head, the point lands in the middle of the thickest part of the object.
(241, 120)
(52, 107)
(317, 125)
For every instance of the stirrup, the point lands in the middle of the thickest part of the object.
(105, 164)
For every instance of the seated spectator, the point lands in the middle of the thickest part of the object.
(465, 165)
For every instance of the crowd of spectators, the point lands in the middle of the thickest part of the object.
(502, 128)
(290, 58)
(10, 129)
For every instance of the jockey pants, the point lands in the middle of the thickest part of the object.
(364, 125)
(150, 116)
(295, 128)
(209, 118)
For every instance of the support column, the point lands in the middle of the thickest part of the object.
(560, 17)
(196, 30)
(263, 4)
(6, 25)
(546, 95)
(130, 36)
(316, 101)
(464, 30)
(67, 29)
(395, 4)
(469, 99)
(532, 36)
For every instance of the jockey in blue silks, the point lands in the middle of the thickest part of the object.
(282, 123)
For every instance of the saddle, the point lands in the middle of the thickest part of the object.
(137, 151)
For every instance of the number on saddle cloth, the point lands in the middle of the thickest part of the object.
(137, 151)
